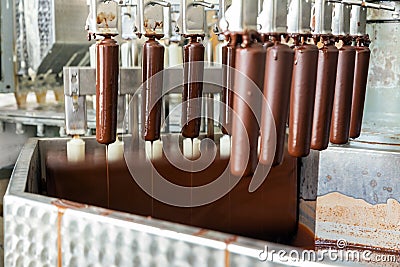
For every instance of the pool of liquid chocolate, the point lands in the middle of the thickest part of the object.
(270, 213)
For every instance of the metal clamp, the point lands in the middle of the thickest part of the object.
(242, 15)
(223, 23)
(195, 10)
(128, 22)
(352, 21)
(151, 16)
(40, 130)
(323, 16)
(75, 115)
(126, 2)
(76, 80)
(72, 80)
(358, 21)
(103, 17)
(299, 16)
(341, 18)
(273, 18)
(19, 129)
(364, 4)
(2, 127)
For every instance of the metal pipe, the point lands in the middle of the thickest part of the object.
(160, 3)
(364, 4)
(202, 3)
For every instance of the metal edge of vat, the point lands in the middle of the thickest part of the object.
(38, 233)
(359, 182)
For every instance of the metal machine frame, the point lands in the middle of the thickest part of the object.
(7, 69)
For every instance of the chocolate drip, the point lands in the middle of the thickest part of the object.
(278, 77)
(153, 63)
(107, 73)
(324, 95)
(250, 61)
(340, 126)
(228, 62)
(302, 99)
(193, 90)
(359, 89)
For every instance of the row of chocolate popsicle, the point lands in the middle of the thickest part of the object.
(305, 75)
(320, 89)
(317, 83)
(153, 63)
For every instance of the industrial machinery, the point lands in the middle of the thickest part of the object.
(203, 133)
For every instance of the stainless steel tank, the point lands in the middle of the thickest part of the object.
(46, 231)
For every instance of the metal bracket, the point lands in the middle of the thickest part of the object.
(364, 4)
(77, 80)
(353, 21)
(7, 74)
(19, 128)
(195, 10)
(72, 79)
(299, 16)
(323, 10)
(128, 22)
(273, 17)
(358, 21)
(242, 15)
(75, 115)
(151, 16)
(2, 127)
(341, 19)
(126, 2)
(102, 18)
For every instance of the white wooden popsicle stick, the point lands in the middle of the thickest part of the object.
(76, 150)
(125, 55)
(196, 148)
(175, 55)
(149, 150)
(166, 56)
(92, 55)
(116, 151)
(188, 148)
(225, 147)
(157, 150)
